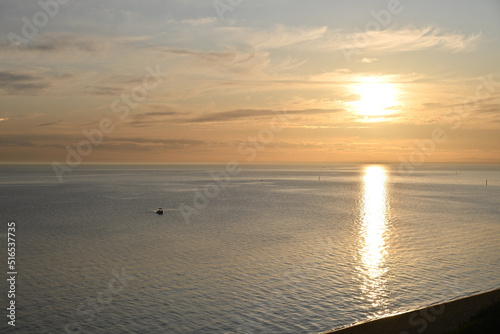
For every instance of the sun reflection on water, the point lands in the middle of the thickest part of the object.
(373, 235)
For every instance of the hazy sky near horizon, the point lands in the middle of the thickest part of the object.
(249, 80)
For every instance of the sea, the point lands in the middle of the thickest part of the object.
(299, 248)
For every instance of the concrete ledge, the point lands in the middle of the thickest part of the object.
(434, 319)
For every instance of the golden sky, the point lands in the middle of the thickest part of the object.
(251, 81)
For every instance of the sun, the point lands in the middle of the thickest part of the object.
(376, 97)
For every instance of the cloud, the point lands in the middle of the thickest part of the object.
(27, 88)
(210, 56)
(245, 38)
(58, 42)
(125, 147)
(254, 113)
(4, 119)
(156, 114)
(368, 60)
(280, 36)
(105, 90)
(139, 140)
(117, 143)
(140, 144)
(490, 108)
(16, 142)
(344, 77)
(231, 58)
(394, 39)
(154, 117)
(9, 77)
(15, 83)
(201, 21)
(49, 124)
(217, 63)
(405, 40)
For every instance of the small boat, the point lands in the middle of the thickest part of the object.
(159, 211)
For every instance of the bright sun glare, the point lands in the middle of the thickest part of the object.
(376, 97)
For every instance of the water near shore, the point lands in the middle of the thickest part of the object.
(275, 248)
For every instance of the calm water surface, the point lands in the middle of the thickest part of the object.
(281, 249)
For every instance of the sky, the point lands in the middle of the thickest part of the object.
(185, 81)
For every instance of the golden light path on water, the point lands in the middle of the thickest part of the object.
(373, 234)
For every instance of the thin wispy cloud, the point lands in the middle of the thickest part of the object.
(408, 39)
(248, 114)
(19, 83)
(59, 43)
(105, 90)
(201, 21)
(16, 142)
(49, 124)
(281, 36)
(155, 117)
